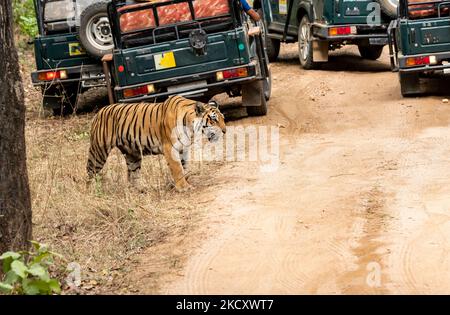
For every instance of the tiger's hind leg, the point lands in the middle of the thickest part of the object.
(95, 163)
(134, 162)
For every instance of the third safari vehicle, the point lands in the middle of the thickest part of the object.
(323, 25)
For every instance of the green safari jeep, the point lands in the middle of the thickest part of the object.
(67, 63)
(322, 25)
(419, 42)
(194, 48)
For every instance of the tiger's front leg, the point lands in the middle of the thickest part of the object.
(174, 161)
(185, 156)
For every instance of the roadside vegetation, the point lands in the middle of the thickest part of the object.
(25, 18)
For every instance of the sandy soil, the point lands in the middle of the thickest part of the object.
(360, 202)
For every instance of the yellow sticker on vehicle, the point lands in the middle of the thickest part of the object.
(165, 60)
(75, 49)
(282, 6)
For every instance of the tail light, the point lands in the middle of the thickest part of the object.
(52, 75)
(142, 90)
(342, 30)
(232, 73)
(420, 61)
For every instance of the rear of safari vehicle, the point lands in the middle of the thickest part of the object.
(421, 42)
(323, 25)
(363, 23)
(63, 67)
(192, 48)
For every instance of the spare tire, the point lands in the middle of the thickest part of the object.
(389, 7)
(95, 32)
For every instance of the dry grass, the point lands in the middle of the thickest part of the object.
(105, 225)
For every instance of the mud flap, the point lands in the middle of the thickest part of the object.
(320, 51)
(251, 93)
(52, 101)
(62, 100)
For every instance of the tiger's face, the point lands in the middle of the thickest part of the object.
(212, 120)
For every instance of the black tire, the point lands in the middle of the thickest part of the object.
(267, 86)
(267, 83)
(305, 48)
(95, 32)
(272, 45)
(409, 84)
(389, 7)
(371, 52)
(273, 48)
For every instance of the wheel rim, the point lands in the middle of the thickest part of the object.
(99, 33)
(304, 40)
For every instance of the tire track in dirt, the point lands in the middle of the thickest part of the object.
(367, 277)
(421, 210)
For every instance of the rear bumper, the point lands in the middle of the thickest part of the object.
(88, 75)
(377, 35)
(439, 67)
(210, 85)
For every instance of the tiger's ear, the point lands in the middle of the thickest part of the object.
(213, 104)
(199, 108)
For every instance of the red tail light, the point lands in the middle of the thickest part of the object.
(418, 61)
(342, 30)
(232, 73)
(142, 90)
(52, 75)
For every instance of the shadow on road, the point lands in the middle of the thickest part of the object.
(340, 61)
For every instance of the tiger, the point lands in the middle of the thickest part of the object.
(139, 129)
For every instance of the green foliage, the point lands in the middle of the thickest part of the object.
(24, 17)
(27, 272)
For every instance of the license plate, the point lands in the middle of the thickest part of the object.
(75, 49)
(165, 60)
(378, 41)
(187, 86)
(446, 70)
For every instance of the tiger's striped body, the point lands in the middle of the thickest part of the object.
(151, 128)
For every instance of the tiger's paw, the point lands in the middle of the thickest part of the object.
(184, 187)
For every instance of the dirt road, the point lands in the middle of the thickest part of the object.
(360, 202)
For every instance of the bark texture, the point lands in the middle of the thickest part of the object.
(15, 205)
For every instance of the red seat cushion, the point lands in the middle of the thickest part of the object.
(170, 14)
(424, 10)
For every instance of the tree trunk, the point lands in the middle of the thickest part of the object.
(15, 205)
